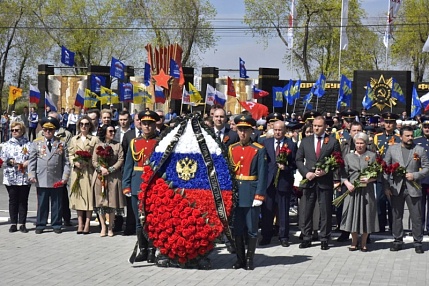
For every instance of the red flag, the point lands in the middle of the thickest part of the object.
(230, 90)
(259, 93)
(257, 110)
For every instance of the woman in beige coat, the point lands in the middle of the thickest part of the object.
(107, 178)
(82, 197)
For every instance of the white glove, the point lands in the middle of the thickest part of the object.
(256, 203)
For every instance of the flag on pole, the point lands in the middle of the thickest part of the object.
(243, 71)
(67, 56)
(186, 97)
(126, 92)
(295, 90)
(397, 91)
(425, 102)
(292, 17)
(146, 74)
(416, 105)
(174, 69)
(277, 96)
(426, 46)
(140, 94)
(14, 93)
(34, 94)
(307, 99)
(49, 102)
(220, 98)
(344, 41)
(259, 93)
(96, 82)
(107, 96)
(230, 90)
(210, 95)
(117, 69)
(257, 110)
(80, 98)
(91, 99)
(345, 92)
(195, 94)
(319, 86)
(368, 99)
(392, 12)
(159, 94)
(286, 93)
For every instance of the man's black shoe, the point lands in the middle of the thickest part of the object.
(39, 231)
(343, 237)
(419, 249)
(67, 223)
(58, 230)
(396, 247)
(13, 228)
(285, 243)
(264, 241)
(324, 245)
(305, 244)
(23, 229)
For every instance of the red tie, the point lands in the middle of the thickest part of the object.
(278, 148)
(319, 140)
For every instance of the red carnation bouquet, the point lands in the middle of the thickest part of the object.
(371, 172)
(396, 169)
(103, 153)
(83, 158)
(330, 163)
(281, 159)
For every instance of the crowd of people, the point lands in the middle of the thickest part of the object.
(93, 162)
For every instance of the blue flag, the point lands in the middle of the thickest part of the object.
(126, 92)
(277, 96)
(416, 105)
(286, 93)
(307, 99)
(319, 90)
(146, 74)
(174, 69)
(368, 99)
(96, 82)
(397, 91)
(243, 71)
(67, 57)
(295, 91)
(117, 69)
(345, 93)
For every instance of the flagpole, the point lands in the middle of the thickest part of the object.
(317, 102)
(294, 104)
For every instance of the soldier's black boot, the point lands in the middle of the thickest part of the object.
(240, 252)
(142, 255)
(151, 253)
(251, 246)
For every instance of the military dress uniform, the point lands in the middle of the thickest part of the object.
(250, 167)
(382, 141)
(49, 164)
(138, 154)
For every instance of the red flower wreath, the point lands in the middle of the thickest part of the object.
(183, 224)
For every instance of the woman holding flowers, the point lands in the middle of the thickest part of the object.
(81, 148)
(107, 160)
(359, 176)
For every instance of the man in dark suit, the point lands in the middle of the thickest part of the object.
(407, 188)
(278, 194)
(222, 132)
(314, 149)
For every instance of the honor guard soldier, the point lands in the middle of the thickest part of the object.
(271, 118)
(424, 142)
(139, 152)
(49, 169)
(382, 142)
(250, 167)
(348, 117)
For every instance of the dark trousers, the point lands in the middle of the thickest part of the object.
(72, 129)
(425, 207)
(130, 219)
(383, 208)
(31, 133)
(18, 203)
(66, 213)
(415, 208)
(324, 199)
(246, 218)
(282, 201)
(135, 204)
(56, 196)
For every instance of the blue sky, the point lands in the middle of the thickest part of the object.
(231, 46)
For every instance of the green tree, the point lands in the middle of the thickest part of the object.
(411, 32)
(186, 22)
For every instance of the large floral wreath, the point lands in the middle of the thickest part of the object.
(181, 215)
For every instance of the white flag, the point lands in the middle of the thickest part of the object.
(426, 46)
(292, 17)
(210, 94)
(393, 8)
(344, 41)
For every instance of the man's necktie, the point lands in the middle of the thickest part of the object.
(49, 145)
(318, 147)
(140, 133)
(278, 148)
(218, 134)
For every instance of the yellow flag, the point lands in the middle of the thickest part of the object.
(195, 95)
(141, 94)
(14, 93)
(90, 99)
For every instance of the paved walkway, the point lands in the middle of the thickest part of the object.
(70, 259)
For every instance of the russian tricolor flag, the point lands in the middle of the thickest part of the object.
(80, 98)
(34, 94)
(259, 93)
(425, 101)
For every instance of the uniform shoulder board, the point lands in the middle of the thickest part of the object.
(258, 145)
(263, 135)
(38, 139)
(379, 134)
(235, 144)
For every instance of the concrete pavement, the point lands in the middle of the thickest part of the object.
(70, 259)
